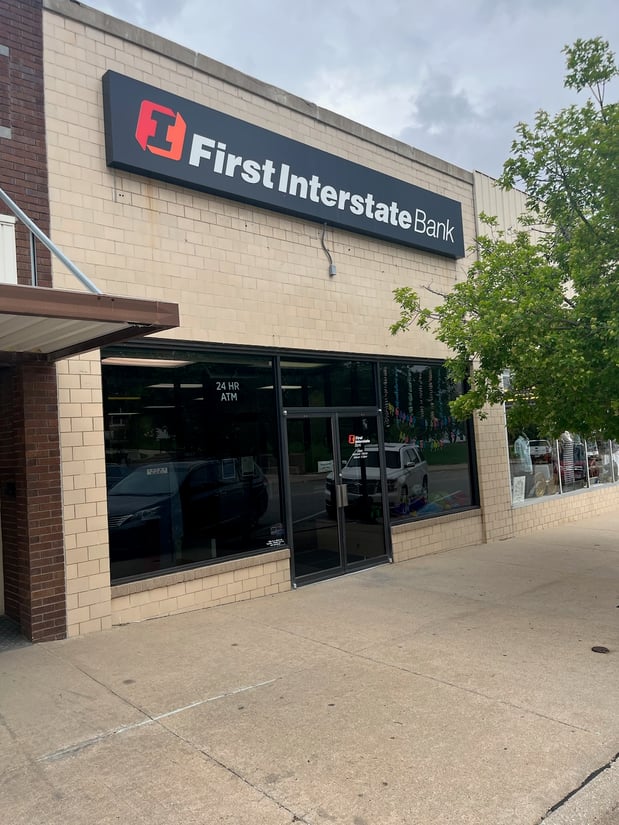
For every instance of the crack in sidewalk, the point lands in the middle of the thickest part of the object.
(586, 781)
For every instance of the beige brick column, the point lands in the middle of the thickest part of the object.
(493, 474)
(84, 495)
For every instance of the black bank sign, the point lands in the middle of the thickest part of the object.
(151, 132)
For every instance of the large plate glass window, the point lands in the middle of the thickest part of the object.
(191, 451)
(314, 382)
(545, 466)
(427, 451)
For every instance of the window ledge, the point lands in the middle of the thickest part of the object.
(458, 515)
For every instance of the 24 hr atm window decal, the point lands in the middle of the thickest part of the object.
(155, 133)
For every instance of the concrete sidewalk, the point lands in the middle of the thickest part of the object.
(456, 688)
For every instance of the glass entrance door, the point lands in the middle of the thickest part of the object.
(336, 497)
(363, 517)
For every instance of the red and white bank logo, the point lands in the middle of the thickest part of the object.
(160, 130)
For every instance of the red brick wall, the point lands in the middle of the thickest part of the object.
(8, 492)
(23, 163)
(30, 498)
(30, 487)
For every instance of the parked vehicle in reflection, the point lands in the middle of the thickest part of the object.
(163, 503)
(115, 472)
(405, 468)
(540, 450)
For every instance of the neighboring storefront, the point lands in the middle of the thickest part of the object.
(542, 466)
(279, 434)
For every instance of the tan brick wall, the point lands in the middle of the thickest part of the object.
(84, 495)
(180, 592)
(493, 474)
(241, 274)
(553, 511)
(423, 538)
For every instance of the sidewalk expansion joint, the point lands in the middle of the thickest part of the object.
(204, 753)
(70, 750)
(265, 794)
(473, 692)
(361, 655)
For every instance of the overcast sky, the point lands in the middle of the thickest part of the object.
(450, 77)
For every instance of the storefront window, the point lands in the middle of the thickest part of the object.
(546, 466)
(192, 448)
(605, 455)
(191, 457)
(321, 383)
(534, 466)
(428, 464)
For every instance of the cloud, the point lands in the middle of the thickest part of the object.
(441, 106)
(450, 78)
(463, 128)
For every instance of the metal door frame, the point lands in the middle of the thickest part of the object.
(335, 414)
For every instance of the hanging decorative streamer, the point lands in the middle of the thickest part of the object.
(386, 404)
(421, 410)
(409, 383)
(396, 388)
(425, 417)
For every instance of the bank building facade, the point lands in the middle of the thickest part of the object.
(202, 400)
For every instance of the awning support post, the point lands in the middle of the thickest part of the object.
(34, 229)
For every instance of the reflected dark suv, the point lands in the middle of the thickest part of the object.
(161, 503)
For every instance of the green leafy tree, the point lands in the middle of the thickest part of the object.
(545, 305)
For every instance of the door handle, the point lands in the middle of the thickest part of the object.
(341, 495)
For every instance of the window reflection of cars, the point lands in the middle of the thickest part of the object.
(158, 505)
(540, 450)
(115, 472)
(405, 468)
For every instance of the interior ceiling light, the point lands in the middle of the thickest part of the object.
(301, 365)
(171, 386)
(120, 361)
(284, 387)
